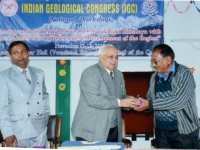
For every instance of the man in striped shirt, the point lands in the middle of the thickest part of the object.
(172, 97)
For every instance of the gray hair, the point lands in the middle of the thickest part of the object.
(102, 49)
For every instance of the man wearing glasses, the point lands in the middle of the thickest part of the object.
(172, 97)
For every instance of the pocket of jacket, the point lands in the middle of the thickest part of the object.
(16, 118)
(89, 122)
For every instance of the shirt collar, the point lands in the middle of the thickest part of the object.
(172, 69)
(110, 71)
(20, 69)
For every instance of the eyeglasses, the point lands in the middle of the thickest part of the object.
(156, 62)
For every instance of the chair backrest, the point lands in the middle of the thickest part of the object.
(2, 141)
(58, 139)
(127, 142)
(52, 127)
(59, 127)
(53, 131)
(1, 138)
(123, 129)
(199, 130)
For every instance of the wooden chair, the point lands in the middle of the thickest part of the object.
(53, 131)
(58, 133)
(199, 132)
(153, 141)
(127, 142)
(2, 140)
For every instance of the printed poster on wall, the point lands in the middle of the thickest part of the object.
(68, 28)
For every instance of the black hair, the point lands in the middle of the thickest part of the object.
(165, 50)
(16, 43)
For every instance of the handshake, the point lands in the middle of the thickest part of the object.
(136, 103)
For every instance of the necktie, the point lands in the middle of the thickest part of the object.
(111, 74)
(24, 72)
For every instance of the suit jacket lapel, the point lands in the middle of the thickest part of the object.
(19, 78)
(105, 75)
(117, 82)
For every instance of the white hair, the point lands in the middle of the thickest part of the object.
(102, 49)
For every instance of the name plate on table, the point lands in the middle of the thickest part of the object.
(83, 145)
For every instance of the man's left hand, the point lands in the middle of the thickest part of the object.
(144, 106)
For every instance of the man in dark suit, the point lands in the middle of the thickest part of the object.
(102, 94)
(24, 104)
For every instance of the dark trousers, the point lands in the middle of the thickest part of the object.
(80, 139)
(172, 139)
(112, 136)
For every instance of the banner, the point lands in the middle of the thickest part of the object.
(68, 28)
(63, 97)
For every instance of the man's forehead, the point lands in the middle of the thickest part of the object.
(19, 49)
(156, 54)
(110, 54)
(111, 50)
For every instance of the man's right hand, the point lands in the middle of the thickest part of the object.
(10, 140)
(127, 102)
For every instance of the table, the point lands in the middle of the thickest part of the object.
(92, 145)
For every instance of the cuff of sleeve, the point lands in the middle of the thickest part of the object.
(150, 104)
(118, 102)
(7, 134)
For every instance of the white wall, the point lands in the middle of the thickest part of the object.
(176, 26)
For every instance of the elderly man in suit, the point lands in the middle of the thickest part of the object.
(24, 102)
(98, 114)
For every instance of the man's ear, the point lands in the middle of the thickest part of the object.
(100, 56)
(9, 55)
(169, 59)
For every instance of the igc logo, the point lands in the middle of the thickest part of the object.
(8, 7)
